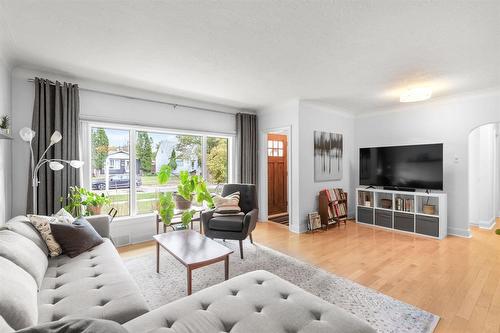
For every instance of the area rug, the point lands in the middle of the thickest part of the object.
(382, 312)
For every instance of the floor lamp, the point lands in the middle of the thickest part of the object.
(27, 134)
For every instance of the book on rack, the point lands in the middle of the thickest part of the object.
(408, 205)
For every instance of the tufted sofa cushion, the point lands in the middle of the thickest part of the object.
(93, 284)
(253, 302)
(22, 225)
(24, 253)
(18, 307)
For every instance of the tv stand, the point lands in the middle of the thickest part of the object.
(417, 213)
(397, 188)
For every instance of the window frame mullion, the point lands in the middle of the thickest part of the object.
(204, 157)
(133, 173)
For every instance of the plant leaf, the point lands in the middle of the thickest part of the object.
(164, 174)
(187, 216)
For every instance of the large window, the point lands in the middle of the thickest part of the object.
(217, 161)
(154, 149)
(110, 173)
(133, 186)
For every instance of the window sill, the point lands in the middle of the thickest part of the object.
(121, 219)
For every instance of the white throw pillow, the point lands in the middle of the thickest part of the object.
(63, 216)
(228, 204)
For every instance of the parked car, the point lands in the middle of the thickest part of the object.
(115, 182)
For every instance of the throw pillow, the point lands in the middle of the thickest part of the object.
(228, 204)
(63, 216)
(42, 224)
(77, 237)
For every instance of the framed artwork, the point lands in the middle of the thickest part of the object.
(328, 152)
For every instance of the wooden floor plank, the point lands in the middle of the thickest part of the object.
(455, 278)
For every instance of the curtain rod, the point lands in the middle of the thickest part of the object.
(146, 99)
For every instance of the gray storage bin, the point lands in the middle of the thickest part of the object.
(427, 225)
(365, 215)
(404, 221)
(383, 218)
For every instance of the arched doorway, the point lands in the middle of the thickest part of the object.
(484, 175)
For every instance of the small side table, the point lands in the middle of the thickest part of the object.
(176, 220)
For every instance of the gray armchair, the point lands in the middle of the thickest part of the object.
(234, 227)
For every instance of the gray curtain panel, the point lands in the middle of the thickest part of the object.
(246, 141)
(56, 107)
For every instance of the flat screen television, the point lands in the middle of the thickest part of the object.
(402, 167)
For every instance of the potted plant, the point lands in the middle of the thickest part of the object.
(190, 187)
(84, 202)
(4, 125)
(95, 202)
(75, 199)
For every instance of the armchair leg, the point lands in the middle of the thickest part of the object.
(241, 249)
(251, 239)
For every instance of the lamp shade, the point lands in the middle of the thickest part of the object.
(56, 137)
(27, 134)
(76, 164)
(56, 166)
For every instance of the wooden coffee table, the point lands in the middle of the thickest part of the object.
(193, 250)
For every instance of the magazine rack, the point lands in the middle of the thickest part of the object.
(332, 207)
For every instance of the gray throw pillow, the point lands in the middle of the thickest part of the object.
(75, 238)
(85, 325)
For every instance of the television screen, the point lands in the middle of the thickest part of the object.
(416, 166)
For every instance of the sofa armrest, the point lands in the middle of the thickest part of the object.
(100, 224)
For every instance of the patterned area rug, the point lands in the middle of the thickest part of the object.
(382, 312)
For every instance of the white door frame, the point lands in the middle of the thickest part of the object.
(285, 130)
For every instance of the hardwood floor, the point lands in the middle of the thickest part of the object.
(456, 278)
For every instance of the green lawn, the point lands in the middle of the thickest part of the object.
(153, 180)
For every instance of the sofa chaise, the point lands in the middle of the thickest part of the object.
(96, 284)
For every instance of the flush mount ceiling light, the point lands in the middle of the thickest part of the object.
(416, 94)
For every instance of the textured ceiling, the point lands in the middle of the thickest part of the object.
(356, 55)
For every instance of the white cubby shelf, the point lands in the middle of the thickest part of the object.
(418, 213)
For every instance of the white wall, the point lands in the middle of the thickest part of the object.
(302, 118)
(443, 120)
(316, 117)
(474, 175)
(5, 145)
(282, 116)
(497, 170)
(482, 176)
(109, 108)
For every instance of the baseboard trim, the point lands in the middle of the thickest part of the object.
(465, 233)
(487, 225)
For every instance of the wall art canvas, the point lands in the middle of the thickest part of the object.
(328, 152)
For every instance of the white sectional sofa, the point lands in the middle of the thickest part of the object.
(35, 290)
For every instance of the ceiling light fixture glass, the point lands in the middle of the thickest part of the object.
(416, 94)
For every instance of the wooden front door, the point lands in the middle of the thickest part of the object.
(277, 174)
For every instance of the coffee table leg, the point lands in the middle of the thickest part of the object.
(226, 267)
(189, 280)
(157, 258)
